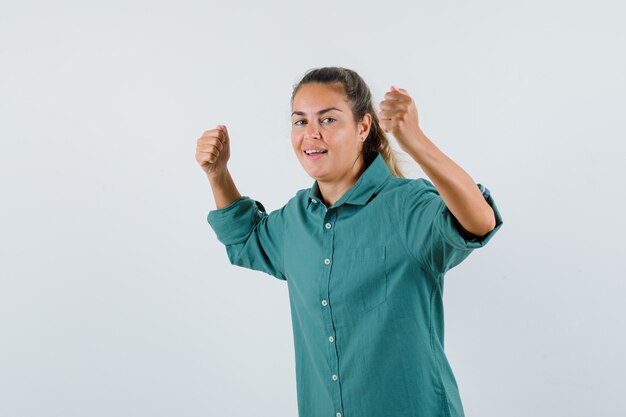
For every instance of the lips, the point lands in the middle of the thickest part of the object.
(314, 156)
(315, 149)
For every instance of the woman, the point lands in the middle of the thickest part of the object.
(364, 250)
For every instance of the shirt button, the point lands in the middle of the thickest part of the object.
(338, 414)
(331, 339)
(334, 377)
(327, 261)
(314, 200)
(324, 302)
(328, 225)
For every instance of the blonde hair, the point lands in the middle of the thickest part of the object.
(359, 96)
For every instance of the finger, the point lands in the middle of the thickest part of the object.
(219, 135)
(210, 154)
(208, 140)
(210, 149)
(384, 116)
(395, 96)
(399, 90)
(392, 95)
(390, 104)
(385, 104)
(388, 114)
(225, 130)
(213, 144)
(213, 133)
(221, 139)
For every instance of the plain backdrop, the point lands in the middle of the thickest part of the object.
(116, 298)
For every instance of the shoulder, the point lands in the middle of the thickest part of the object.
(294, 204)
(301, 194)
(404, 190)
(421, 186)
(300, 199)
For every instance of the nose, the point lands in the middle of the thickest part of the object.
(312, 131)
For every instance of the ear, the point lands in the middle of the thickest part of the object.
(365, 125)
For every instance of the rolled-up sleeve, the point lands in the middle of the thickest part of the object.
(253, 238)
(432, 234)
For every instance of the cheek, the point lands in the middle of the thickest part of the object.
(295, 143)
(343, 144)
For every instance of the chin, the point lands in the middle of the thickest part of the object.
(315, 173)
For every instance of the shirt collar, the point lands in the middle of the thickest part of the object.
(368, 183)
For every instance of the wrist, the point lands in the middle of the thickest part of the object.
(218, 177)
(419, 147)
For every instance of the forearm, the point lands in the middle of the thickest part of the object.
(224, 189)
(457, 189)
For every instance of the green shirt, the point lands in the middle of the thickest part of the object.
(365, 280)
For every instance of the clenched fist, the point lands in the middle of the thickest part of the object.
(398, 116)
(213, 150)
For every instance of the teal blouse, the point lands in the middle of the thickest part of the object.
(365, 279)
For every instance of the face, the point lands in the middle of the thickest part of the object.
(322, 120)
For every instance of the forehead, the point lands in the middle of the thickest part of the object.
(313, 96)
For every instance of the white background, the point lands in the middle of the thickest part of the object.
(116, 297)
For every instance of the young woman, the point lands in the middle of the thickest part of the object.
(363, 251)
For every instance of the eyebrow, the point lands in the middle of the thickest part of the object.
(299, 113)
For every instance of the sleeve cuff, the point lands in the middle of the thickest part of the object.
(234, 222)
(445, 225)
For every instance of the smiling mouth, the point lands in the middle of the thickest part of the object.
(315, 155)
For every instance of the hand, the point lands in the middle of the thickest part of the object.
(398, 116)
(213, 151)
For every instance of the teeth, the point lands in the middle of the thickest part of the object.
(310, 151)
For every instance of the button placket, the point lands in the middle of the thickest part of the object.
(333, 356)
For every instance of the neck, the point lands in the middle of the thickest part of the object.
(332, 191)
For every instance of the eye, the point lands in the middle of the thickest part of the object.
(298, 122)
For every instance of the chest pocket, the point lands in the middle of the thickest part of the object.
(367, 269)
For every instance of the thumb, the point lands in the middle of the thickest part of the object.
(399, 90)
(223, 129)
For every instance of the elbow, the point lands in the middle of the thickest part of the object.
(484, 226)
(488, 224)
